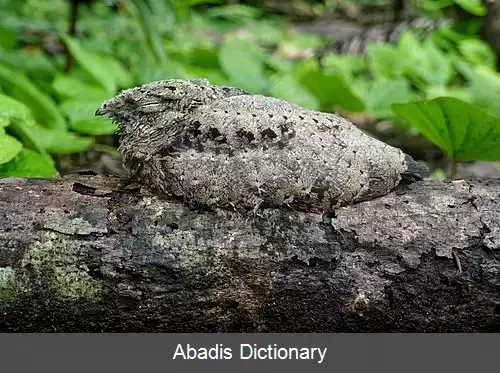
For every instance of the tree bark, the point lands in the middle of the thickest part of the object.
(85, 254)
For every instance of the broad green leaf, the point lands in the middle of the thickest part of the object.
(96, 126)
(381, 94)
(121, 76)
(92, 63)
(243, 65)
(265, 33)
(278, 64)
(463, 130)
(28, 163)
(478, 52)
(67, 86)
(330, 89)
(204, 57)
(442, 91)
(409, 44)
(83, 120)
(11, 108)
(483, 86)
(8, 39)
(385, 60)
(346, 64)
(286, 87)
(306, 40)
(9, 147)
(472, 6)
(42, 106)
(60, 141)
(35, 65)
(28, 136)
(78, 110)
(429, 64)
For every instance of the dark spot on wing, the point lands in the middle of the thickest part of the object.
(245, 135)
(320, 191)
(196, 129)
(214, 132)
(286, 131)
(268, 134)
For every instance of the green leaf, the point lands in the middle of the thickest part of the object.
(100, 68)
(83, 120)
(441, 91)
(427, 63)
(151, 39)
(204, 56)
(278, 64)
(78, 110)
(286, 87)
(472, 6)
(385, 60)
(8, 39)
(42, 106)
(478, 52)
(62, 142)
(265, 33)
(11, 108)
(346, 64)
(381, 94)
(96, 126)
(67, 86)
(121, 76)
(483, 86)
(331, 89)
(463, 130)
(9, 147)
(243, 65)
(236, 13)
(28, 163)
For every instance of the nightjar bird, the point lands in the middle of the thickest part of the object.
(219, 146)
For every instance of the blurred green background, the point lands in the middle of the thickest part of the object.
(421, 75)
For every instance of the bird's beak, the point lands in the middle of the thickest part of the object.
(100, 111)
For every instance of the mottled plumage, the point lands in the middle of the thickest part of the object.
(219, 146)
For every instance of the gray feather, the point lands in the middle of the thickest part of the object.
(219, 146)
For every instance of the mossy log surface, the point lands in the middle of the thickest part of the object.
(86, 254)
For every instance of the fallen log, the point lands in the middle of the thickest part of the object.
(86, 254)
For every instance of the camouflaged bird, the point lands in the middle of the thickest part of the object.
(221, 147)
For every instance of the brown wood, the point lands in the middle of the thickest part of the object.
(84, 254)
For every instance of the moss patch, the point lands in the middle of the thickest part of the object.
(7, 285)
(56, 257)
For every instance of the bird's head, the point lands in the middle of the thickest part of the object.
(160, 104)
(153, 114)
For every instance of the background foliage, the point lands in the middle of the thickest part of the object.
(53, 78)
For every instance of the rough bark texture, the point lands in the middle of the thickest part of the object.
(85, 254)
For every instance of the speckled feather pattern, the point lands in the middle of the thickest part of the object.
(220, 147)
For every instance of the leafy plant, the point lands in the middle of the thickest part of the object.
(46, 110)
(463, 131)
